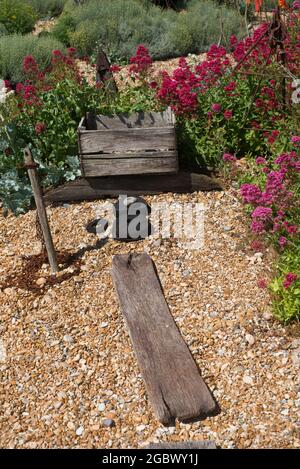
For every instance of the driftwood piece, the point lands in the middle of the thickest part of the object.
(172, 378)
(205, 444)
(42, 215)
(113, 186)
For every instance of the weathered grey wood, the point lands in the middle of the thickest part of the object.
(112, 186)
(38, 197)
(115, 166)
(133, 120)
(110, 141)
(130, 154)
(204, 444)
(172, 378)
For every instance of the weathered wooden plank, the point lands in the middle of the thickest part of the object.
(131, 154)
(116, 166)
(112, 186)
(202, 444)
(109, 141)
(133, 120)
(172, 378)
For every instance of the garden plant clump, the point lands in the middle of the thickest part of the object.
(231, 115)
(119, 27)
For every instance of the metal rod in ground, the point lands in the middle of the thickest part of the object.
(31, 166)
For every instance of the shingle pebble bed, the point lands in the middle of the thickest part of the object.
(69, 377)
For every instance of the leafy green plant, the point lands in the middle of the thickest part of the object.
(119, 27)
(286, 304)
(46, 8)
(17, 16)
(14, 48)
(3, 30)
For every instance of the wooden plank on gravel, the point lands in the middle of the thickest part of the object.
(205, 444)
(112, 186)
(172, 378)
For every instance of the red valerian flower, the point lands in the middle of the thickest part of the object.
(262, 283)
(141, 61)
(216, 107)
(153, 84)
(115, 68)
(228, 114)
(290, 278)
(39, 127)
(71, 51)
(29, 64)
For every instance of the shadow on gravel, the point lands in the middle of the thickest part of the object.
(26, 277)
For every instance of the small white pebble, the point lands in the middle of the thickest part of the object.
(79, 431)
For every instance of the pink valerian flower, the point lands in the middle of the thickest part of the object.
(250, 193)
(260, 160)
(228, 114)
(262, 213)
(257, 226)
(39, 127)
(262, 283)
(257, 245)
(216, 107)
(290, 278)
(295, 139)
(282, 241)
(229, 158)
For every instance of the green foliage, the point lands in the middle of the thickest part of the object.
(17, 16)
(286, 304)
(119, 27)
(46, 8)
(14, 48)
(3, 30)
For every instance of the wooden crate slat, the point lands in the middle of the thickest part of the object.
(115, 166)
(129, 154)
(136, 119)
(172, 378)
(110, 141)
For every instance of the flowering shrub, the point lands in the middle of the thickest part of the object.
(17, 16)
(44, 113)
(273, 200)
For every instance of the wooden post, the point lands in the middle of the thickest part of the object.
(31, 166)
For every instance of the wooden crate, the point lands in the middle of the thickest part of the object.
(139, 143)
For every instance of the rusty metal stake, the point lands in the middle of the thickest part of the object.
(31, 166)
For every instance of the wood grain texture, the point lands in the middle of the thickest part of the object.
(129, 154)
(110, 141)
(120, 166)
(112, 186)
(172, 378)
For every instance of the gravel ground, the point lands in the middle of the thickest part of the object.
(69, 377)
